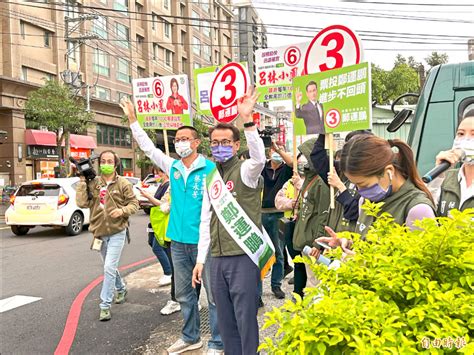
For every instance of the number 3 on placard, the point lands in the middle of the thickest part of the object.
(334, 52)
(229, 87)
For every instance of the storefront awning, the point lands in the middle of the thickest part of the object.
(36, 137)
(78, 141)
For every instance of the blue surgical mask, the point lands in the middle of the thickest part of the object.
(376, 193)
(222, 153)
(276, 158)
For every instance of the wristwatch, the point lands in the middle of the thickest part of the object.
(249, 124)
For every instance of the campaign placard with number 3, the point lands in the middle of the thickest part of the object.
(229, 85)
(334, 47)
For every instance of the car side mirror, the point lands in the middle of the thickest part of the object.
(399, 119)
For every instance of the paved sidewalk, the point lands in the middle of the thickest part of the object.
(166, 334)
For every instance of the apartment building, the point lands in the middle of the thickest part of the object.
(98, 46)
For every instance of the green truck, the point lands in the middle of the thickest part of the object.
(447, 95)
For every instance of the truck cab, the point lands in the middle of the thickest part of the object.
(447, 95)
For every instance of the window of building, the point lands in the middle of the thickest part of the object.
(138, 7)
(227, 60)
(168, 58)
(167, 29)
(195, 21)
(182, 9)
(123, 70)
(154, 21)
(183, 38)
(47, 38)
(101, 62)
(216, 57)
(22, 29)
(121, 5)
(196, 46)
(102, 93)
(226, 40)
(156, 51)
(197, 65)
(206, 29)
(24, 73)
(184, 64)
(111, 135)
(140, 41)
(166, 4)
(73, 53)
(99, 27)
(121, 95)
(72, 9)
(103, 2)
(141, 72)
(126, 163)
(207, 53)
(205, 6)
(123, 35)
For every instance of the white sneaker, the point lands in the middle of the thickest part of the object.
(165, 280)
(180, 346)
(170, 308)
(199, 307)
(214, 352)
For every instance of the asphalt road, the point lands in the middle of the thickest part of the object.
(45, 263)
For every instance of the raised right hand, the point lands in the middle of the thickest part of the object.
(298, 96)
(128, 109)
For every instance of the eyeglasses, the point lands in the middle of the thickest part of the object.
(223, 143)
(179, 140)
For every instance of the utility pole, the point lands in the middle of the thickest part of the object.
(72, 75)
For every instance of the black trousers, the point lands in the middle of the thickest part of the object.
(299, 272)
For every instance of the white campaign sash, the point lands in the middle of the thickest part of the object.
(254, 242)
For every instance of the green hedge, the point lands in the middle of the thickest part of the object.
(404, 292)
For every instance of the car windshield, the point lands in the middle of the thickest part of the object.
(132, 180)
(38, 190)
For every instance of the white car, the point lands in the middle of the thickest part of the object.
(46, 202)
(150, 185)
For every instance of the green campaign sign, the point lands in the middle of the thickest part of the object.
(203, 78)
(336, 100)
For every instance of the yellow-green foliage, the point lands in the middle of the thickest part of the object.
(401, 287)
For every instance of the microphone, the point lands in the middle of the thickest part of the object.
(438, 170)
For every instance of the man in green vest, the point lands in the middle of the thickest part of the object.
(234, 234)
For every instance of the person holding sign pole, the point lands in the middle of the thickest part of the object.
(311, 112)
(186, 185)
(231, 226)
(383, 171)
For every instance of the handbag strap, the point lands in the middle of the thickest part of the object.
(302, 192)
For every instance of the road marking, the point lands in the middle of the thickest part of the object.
(10, 303)
(72, 320)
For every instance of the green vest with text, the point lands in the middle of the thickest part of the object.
(398, 204)
(450, 197)
(222, 244)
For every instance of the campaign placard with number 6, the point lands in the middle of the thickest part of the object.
(229, 85)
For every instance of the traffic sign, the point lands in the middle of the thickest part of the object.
(229, 85)
(334, 47)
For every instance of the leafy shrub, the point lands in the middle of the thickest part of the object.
(403, 292)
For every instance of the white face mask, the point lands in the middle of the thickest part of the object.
(467, 146)
(183, 149)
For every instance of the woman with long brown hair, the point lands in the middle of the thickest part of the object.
(384, 171)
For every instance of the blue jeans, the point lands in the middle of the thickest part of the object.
(160, 253)
(184, 259)
(111, 251)
(270, 223)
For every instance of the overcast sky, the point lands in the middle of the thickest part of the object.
(431, 27)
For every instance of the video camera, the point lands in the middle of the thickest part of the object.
(84, 167)
(267, 133)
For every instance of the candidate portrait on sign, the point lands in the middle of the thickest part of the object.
(311, 112)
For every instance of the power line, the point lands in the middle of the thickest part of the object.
(406, 3)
